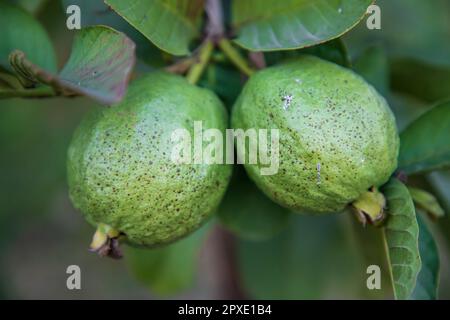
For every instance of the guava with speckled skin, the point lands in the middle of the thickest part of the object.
(120, 170)
(338, 136)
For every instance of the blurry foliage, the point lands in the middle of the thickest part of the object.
(33, 139)
(31, 38)
(170, 269)
(309, 257)
(428, 82)
(409, 28)
(373, 65)
(314, 258)
(248, 213)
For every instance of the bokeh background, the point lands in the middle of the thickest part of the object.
(314, 257)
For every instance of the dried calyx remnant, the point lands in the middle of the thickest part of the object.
(369, 207)
(106, 242)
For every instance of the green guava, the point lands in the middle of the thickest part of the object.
(337, 136)
(121, 173)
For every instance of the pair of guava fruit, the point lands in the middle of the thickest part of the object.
(337, 138)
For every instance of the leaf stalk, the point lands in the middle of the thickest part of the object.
(235, 57)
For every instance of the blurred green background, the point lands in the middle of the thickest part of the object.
(326, 257)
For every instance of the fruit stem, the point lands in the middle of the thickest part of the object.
(234, 55)
(106, 242)
(369, 207)
(196, 70)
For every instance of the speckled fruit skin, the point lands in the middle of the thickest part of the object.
(119, 168)
(337, 134)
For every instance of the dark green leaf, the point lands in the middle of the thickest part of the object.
(20, 31)
(225, 80)
(425, 81)
(292, 24)
(334, 51)
(424, 144)
(427, 202)
(406, 109)
(169, 24)
(409, 28)
(167, 270)
(401, 233)
(428, 278)
(250, 214)
(373, 65)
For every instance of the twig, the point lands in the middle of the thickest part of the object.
(235, 57)
(257, 59)
(196, 70)
(214, 27)
(181, 66)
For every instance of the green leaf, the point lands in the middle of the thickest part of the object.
(423, 80)
(250, 214)
(224, 79)
(409, 28)
(424, 143)
(428, 278)
(427, 202)
(334, 51)
(170, 269)
(373, 65)
(312, 258)
(20, 31)
(401, 233)
(293, 24)
(99, 66)
(406, 109)
(98, 13)
(169, 24)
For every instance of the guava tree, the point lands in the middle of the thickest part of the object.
(358, 182)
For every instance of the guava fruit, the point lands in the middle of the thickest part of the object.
(121, 173)
(337, 136)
